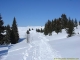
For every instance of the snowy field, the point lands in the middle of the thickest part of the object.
(42, 47)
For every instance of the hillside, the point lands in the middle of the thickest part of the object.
(42, 47)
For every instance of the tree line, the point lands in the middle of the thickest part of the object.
(58, 24)
(8, 34)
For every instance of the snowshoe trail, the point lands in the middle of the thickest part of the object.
(37, 49)
(40, 50)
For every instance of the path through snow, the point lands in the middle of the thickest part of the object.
(37, 49)
(40, 50)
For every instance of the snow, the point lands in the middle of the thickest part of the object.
(68, 47)
(42, 47)
(23, 30)
(58, 36)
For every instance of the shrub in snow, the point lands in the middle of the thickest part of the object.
(28, 32)
(29, 29)
(38, 30)
(32, 29)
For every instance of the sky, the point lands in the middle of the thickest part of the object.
(37, 12)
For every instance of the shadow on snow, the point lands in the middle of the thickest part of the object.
(3, 52)
(21, 39)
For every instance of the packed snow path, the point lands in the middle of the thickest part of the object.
(39, 49)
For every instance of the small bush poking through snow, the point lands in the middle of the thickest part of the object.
(32, 29)
(29, 29)
(28, 32)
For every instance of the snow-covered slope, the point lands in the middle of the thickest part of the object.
(43, 47)
(23, 30)
(68, 47)
(37, 49)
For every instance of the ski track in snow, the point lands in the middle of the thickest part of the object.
(40, 50)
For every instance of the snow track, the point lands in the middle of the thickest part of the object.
(42, 47)
(37, 49)
(40, 50)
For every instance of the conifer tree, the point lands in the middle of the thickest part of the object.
(70, 29)
(73, 22)
(12, 37)
(58, 26)
(15, 31)
(46, 29)
(38, 30)
(52, 25)
(1, 30)
(64, 20)
(49, 27)
(42, 30)
(76, 24)
(7, 36)
(79, 22)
